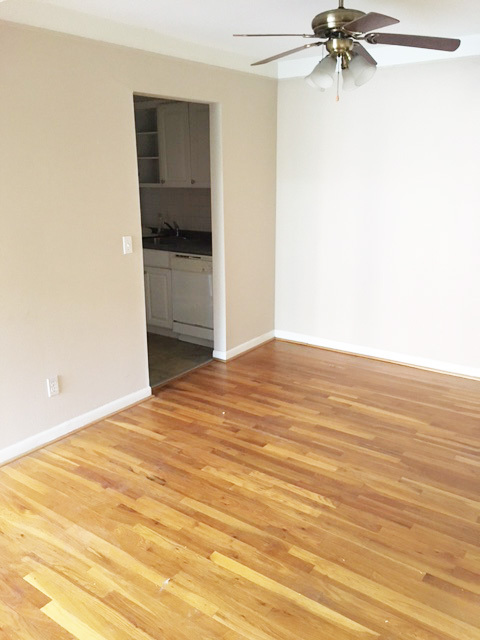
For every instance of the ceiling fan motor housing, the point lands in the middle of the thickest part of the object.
(339, 47)
(330, 23)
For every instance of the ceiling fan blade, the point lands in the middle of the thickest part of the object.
(274, 35)
(360, 49)
(422, 42)
(370, 21)
(286, 53)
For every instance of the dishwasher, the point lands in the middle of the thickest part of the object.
(192, 293)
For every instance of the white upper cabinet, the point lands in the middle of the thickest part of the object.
(174, 145)
(199, 144)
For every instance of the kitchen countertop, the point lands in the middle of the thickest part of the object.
(196, 242)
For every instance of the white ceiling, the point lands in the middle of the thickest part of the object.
(201, 29)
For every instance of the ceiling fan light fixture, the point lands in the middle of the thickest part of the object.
(341, 31)
(323, 75)
(361, 70)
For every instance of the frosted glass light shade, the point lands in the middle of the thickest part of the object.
(361, 70)
(323, 75)
(312, 84)
(348, 80)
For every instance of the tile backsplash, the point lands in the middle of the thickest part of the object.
(189, 208)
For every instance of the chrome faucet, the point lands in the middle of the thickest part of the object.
(175, 228)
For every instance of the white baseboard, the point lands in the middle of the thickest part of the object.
(160, 331)
(246, 346)
(400, 358)
(49, 435)
(182, 329)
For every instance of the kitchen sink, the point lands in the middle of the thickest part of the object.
(191, 242)
(173, 243)
(158, 240)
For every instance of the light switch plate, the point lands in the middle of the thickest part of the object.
(127, 245)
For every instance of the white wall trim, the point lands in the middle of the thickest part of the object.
(246, 346)
(399, 358)
(218, 229)
(49, 435)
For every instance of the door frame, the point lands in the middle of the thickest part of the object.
(218, 220)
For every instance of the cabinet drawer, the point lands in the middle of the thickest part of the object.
(154, 258)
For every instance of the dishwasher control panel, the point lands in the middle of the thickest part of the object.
(192, 263)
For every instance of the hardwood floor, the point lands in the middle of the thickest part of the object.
(293, 493)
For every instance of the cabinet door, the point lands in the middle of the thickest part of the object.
(174, 145)
(158, 297)
(199, 144)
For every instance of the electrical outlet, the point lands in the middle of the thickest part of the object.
(127, 245)
(53, 388)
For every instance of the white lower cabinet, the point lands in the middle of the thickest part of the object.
(158, 297)
(179, 285)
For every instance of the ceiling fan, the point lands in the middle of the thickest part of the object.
(342, 30)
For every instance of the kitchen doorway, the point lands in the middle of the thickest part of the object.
(173, 156)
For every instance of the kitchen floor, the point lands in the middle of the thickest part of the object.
(168, 357)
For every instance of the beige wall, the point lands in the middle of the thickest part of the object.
(71, 303)
(378, 226)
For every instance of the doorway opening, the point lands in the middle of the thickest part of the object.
(173, 155)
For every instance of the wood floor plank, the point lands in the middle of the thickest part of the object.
(291, 493)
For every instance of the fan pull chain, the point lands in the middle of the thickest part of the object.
(338, 71)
